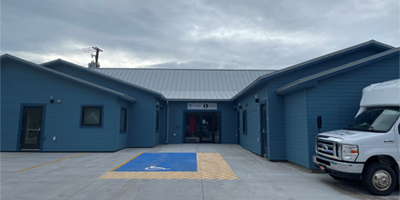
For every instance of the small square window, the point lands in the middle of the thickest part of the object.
(122, 125)
(91, 116)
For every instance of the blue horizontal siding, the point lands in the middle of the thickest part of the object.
(252, 140)
(22, 84)
(296, 129)
(141, 115)
(276, 147)
(337, 99)
(276, 129)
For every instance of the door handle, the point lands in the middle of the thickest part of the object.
(38, 129)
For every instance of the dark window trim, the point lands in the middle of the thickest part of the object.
(81, 125)
(244, 122)
(126, 120)
(157, 121)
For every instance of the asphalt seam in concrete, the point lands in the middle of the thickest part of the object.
(81, 189)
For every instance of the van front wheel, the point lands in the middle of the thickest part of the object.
(379, 179)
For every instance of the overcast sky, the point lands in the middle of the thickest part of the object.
(244, 34)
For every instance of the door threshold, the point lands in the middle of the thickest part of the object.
(30, 149)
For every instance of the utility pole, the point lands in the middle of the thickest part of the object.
(98, 50)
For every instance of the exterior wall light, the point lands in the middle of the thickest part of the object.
(256, 98)
(240, 106)
(161, 107)
(157, 104)
(51, 99)
(234, 108)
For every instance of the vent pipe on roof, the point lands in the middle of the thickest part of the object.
(92, 65)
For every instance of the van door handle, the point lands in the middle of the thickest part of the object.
(388, 141)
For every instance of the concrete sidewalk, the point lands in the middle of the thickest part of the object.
(71, 176)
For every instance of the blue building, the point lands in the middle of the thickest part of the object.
(60, 106)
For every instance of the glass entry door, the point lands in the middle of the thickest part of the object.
(202, 127)
(31, 128)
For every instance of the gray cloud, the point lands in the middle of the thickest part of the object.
(193, 34)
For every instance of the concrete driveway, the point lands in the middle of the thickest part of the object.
(75, 175)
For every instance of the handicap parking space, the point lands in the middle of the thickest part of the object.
(146, 162)
(185, 171)
(205, 166)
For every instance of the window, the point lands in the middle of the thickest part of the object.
(91, 115)
(122, 124)
(375, 120)
(245, 122)
(157, 120)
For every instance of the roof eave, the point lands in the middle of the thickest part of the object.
(193, 99)
(312, 80)
(312, 61)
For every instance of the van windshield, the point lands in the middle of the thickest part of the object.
(375, 120)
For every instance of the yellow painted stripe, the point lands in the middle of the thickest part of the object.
(14, 155)
(50, 162)
(126, 162)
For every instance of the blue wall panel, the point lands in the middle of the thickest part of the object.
(21, 84)
(276, 129)
(275, 107)
(141, 114)
(337, 99)
(252, 140)
(296, 128)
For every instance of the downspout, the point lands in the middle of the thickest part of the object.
(166, 142)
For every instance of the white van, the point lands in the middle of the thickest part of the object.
(368, 148)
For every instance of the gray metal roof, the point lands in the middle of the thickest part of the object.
(188, 84)
(69, 64)
(306, 81)
(72, 78)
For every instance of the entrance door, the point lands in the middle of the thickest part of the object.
(192, 131)
(31, 128)
(263, 118)
(238, 127)
(207, 128)
(202, 128)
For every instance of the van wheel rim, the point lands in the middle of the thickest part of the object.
(381, 180)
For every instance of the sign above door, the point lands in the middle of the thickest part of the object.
(202, 106)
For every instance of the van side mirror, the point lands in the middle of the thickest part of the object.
(319, 123)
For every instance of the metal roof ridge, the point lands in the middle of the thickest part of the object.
(106, 76)
(187, 69)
